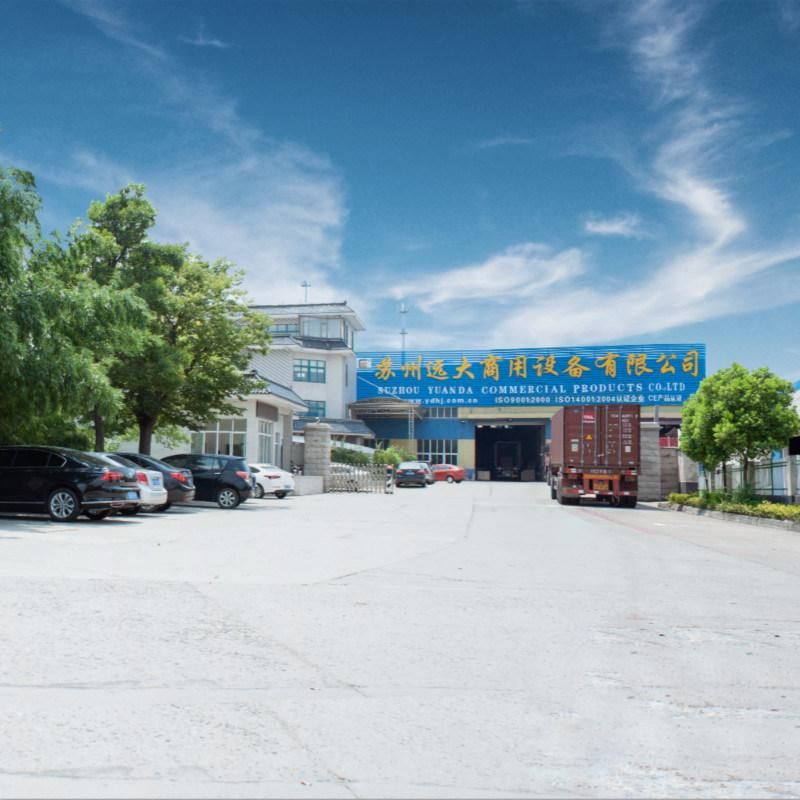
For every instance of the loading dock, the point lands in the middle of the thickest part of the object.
(499, 446)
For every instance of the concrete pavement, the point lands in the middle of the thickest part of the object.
(474, 640)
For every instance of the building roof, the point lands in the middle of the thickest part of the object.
(278, 390)
(312, 310)
(339, 427)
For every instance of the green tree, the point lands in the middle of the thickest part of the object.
(391, 455)
(181, 362)
(199, 340)
(757, 415)
(45, 375)
(97, 317)
(738, 414)
(700, 416)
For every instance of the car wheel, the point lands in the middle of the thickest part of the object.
(258, 491)
(228, 497)
(450, 478)
(280, 495)
(97, 513)
(129, 512)
(63, 505)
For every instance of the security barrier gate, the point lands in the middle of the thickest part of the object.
(374, 478)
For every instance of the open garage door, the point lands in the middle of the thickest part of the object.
(509, 452)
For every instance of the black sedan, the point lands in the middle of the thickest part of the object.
(179, 483)
(63, 483)
(225, 479)
(412, 473)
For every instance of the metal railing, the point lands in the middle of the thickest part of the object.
(371, 478)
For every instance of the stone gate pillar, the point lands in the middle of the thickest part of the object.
(318, 452)
(650, 462)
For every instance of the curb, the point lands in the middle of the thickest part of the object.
(761, 522)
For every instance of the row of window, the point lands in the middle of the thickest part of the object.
(316, 328)
(438, 451)
(228, 436)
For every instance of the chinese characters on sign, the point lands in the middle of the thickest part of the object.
(661, 374)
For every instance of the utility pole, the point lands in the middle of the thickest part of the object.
(305, 285)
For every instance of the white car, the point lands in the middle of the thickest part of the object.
(269, 479)
(152, 491)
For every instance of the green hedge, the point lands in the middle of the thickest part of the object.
(717, 501)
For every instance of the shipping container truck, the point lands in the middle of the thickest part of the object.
(507, 461)
(594, 452)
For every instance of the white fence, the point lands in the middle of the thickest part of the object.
(774, 478)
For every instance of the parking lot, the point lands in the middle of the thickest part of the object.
(472, 640)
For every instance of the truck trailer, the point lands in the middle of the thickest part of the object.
(594, 452)
(507, 461)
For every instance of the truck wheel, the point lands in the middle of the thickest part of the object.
(628, 502)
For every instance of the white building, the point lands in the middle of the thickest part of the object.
(313, 354)
(309, 373)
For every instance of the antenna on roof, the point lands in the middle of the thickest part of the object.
(403, 331)
(305, 285)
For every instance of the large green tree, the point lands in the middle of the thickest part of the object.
(199, 341)
(46, 372)
(739, 414)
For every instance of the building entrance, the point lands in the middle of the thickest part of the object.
(509, 452)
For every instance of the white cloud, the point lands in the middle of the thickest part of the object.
(502, 141)
(626, 225)
(276, 209)
(201, 40)
(112, 22)
(518, 271)
(717, 267)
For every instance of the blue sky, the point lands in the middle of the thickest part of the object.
(520, 174)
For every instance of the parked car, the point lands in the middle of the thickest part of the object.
(151, 484)
(270, 479)
(64, 483)
(225, 479)
(428, 472)
(412, 473)
(179, 483)
(448, 472)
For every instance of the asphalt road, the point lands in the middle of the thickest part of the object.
(459, 641)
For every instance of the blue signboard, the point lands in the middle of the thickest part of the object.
(662, 374)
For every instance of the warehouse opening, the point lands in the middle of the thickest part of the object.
(509, 452)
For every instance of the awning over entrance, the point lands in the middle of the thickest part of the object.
(391, 407)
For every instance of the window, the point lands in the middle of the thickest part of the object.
(438, 451)
(32, 458)
(322, 328)
(309, 370)
(438, 412)
(316, 408)
(226, 436)
(284, 328)
(266, 439)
